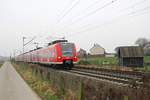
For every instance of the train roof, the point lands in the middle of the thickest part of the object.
(57, 41)
(51, 43)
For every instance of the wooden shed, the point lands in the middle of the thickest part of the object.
(130, 56)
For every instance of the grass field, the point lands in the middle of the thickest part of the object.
(111, 60)
(99, 61)
(147, 59)
(113, 63)
(144, 69)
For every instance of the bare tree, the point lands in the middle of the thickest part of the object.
(145, 44)
(141, 41)
(147, 49)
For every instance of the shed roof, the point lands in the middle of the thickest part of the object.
(130, 51)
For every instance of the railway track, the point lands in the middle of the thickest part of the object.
(104, 77)
(118, 76)
(120, 72)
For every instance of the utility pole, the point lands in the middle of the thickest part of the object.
(14, 54)
(23, 43)
(10, 57)
(23, 46)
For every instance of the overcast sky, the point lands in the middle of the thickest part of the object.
(85, 22)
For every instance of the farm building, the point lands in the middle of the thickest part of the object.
(130, 56)
(97, 50)
(81, 53)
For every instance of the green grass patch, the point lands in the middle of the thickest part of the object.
(100, 60)
(126, 98)
(147, 59)
(144, 69)
(1, 63)
(36, 81)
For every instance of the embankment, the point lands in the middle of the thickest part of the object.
(69, 86)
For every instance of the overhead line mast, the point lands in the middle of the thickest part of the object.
(24, 44)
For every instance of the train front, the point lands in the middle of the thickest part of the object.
(68, 54)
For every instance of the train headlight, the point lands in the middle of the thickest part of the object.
(75, 57)
(59, 57)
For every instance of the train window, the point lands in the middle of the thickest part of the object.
(67, 49)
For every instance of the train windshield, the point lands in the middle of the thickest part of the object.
(67, 49)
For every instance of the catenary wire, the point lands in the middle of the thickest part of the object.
(92, 12)
(135, 4)
(99, 26)
(65, 14)
(132, 12)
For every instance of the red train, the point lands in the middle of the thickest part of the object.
(59, 52)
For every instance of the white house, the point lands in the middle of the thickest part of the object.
(97, 50)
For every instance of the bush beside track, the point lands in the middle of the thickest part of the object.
(38, 83)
